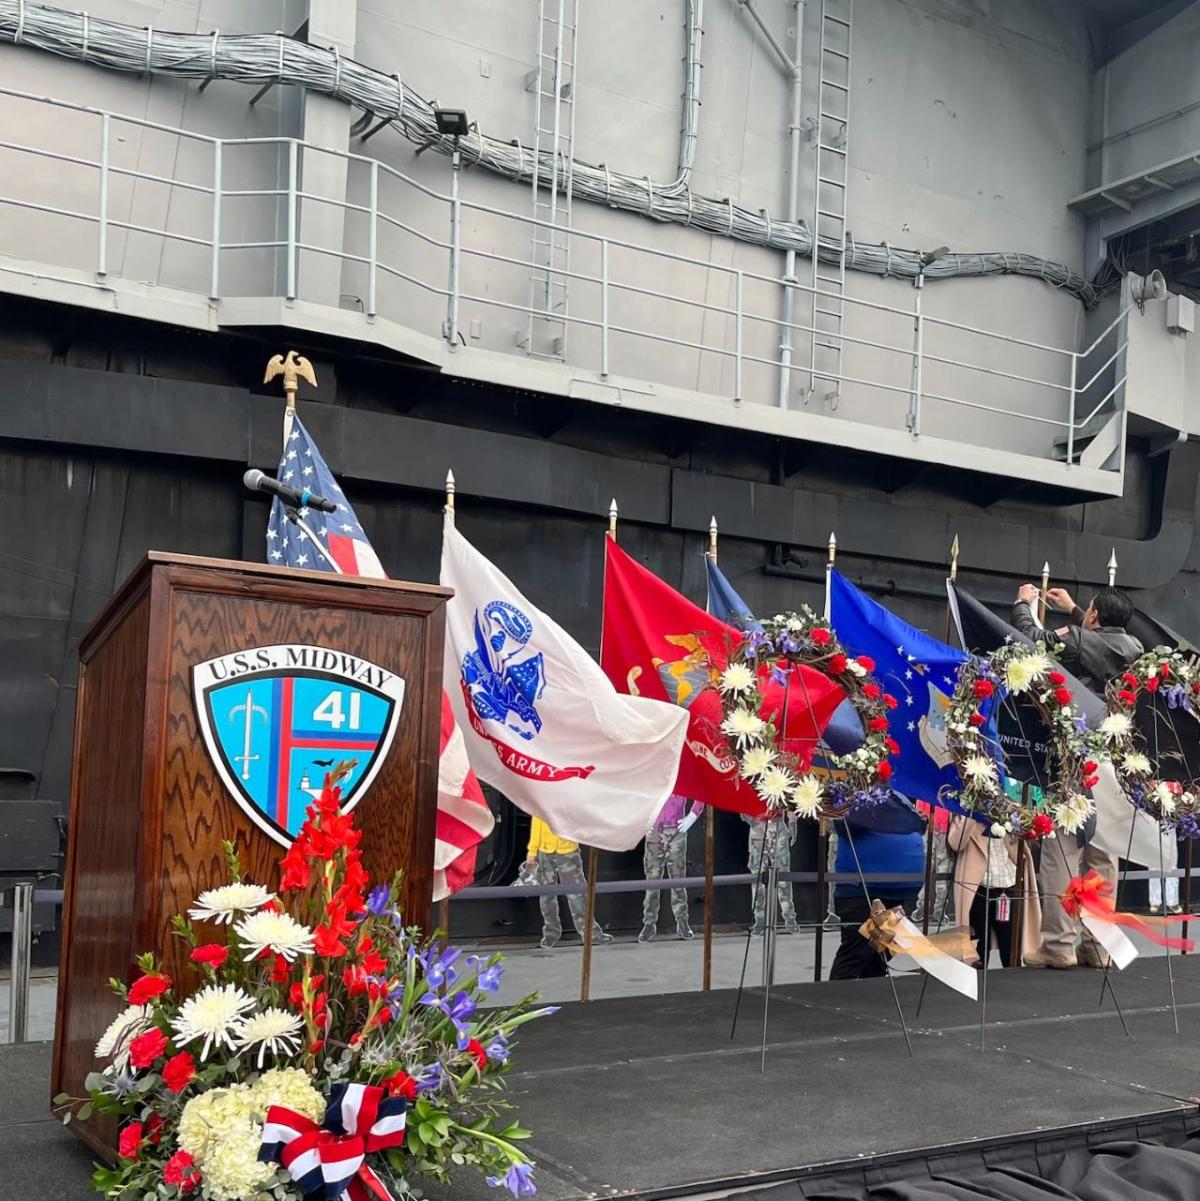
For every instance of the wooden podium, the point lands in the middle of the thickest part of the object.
(150, 807)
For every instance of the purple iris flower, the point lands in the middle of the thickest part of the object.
(440, 970)
(489, 978)
(779, 676)
(788, 645)
(458, 1009)
(497, 1049)
(379, 900)
(518, 1180)
(429, 1078)
(1177, 696)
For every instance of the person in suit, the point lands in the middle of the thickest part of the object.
(1095, 646)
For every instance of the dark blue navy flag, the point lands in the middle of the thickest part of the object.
(919, 671)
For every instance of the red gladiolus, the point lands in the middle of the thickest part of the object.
(977, 719)
(877, 724)
(181, 1171)
(1063, 696)
(1057, 678)
(982, 689)
(820, 635)
(400, 1085)
(280, 970)
(872, 692)
(865, 662)
(884, 770)
(837, 664)
(178, 1071)
(316, 1047)
(1126, 697)
(130, 1142)
(477, 1053)
(890, 700)
(146, 1048)
(1152, 684)
(355, 980)
(1042, 825)
(148, 987)
(294, 872)
(211, 955)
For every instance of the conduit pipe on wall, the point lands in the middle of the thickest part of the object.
(260, 58)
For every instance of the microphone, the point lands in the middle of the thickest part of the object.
(297, 498)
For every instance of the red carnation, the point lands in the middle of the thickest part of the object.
(982, 689)
(148, 987)
(1089, 767)
(1165, 671)
(178, 1071)
(820, 635)
(154, 1128)
(890, 700)
(1091, 781)
(146, 1048)
(1152, 684)
(400, 1085)
(865, 662)
(130, 1142)
(1130, 679)
(977, 719)
(884, 770)
(477, 1053)
(872, 692)
(1063, 696)
(837, 663)
(1057, 678)
(1042, 825)
(892, 745)
(1126, 697)
(877, 724)
(181, 1171)
(211, 955)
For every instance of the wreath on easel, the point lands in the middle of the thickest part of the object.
(782, 779)
(1030, 675)
(1174, 805)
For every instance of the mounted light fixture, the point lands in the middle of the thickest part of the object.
(452, 122)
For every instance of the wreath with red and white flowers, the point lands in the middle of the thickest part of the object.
(1030, 675)
(781, 778)
(1175, 805)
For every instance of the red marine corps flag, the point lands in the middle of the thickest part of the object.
(656, 644)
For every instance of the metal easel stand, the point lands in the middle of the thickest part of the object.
(770, 919)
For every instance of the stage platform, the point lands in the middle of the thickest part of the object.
(648, 1097)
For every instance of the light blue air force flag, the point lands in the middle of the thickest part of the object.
(919, 671)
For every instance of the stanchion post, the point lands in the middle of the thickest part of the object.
(1187, 887)
(709, 832)
(22, 953)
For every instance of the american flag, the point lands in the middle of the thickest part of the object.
(463, 818)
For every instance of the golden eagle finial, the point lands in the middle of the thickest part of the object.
(293, 368)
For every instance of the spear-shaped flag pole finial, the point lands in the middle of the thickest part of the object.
(1112, 568)
(450, 492)
(832, 547)
(712, 538)
(954, 558)
(612, 518)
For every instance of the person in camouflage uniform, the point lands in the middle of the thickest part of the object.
(557, 861)
(665, 854)
(774, 837)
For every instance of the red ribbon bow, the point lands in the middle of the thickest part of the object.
(1093, 894)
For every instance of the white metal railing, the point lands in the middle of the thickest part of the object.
(907, 360)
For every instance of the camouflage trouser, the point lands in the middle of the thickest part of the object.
(776, 837)
(943, 896)
(562, 869)
(665, 855)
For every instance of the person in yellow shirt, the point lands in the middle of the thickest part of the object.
(557, 861)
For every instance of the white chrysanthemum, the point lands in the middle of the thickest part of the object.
(124, 1028)
(980, 771)
(1020, 674)
(1136, 764)
(1071, 815)
(744, 727)
(1165, 798)
(775, 784)
(273, 1030)
(1115, 725)
(220, 904)
(278, 932)
(213, 1014)
(756, 761)
(807, 796)
(736, 679)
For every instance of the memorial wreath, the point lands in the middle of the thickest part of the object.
(781, 778)
(1030, 675)
(1172, 675)
(329, 1049)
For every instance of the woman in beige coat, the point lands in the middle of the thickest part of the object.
(1004, 861)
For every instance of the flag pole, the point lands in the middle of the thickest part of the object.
(444, 903)
(589, 918)
(823, 827)
(1042, 598)
(709, 828)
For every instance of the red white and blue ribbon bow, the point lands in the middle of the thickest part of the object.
(329, 1160)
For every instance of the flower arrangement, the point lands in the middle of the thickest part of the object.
(1029, 674)
(781, 778)
(327, 1050)
(1171, 675)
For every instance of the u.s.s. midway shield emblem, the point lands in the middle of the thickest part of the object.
(275, 719)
